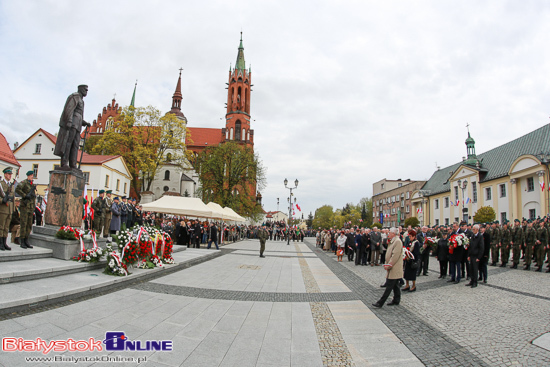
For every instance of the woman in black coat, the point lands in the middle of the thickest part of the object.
(442, 255)
(410, 273)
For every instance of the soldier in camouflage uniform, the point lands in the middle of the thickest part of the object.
(530, 239)
(6, 208)
(540, 245)
(27, 190)
(505, 239)
(517, 243)
(495, 243)
(99, 208)
(262, 235)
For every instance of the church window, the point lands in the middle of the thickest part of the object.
(231, 134)
(239, 98)
(238, 130)
(166, 188)
(226, 134)
(167, 175)
(244, 134)
(248, 135)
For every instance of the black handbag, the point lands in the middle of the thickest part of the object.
(414, 264)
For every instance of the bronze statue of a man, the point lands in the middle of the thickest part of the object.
(70, 126)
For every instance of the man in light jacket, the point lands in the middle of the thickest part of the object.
(394, 268)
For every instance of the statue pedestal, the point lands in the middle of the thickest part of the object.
(65, 192)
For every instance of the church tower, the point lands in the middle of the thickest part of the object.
(237, 118)
(176, 101)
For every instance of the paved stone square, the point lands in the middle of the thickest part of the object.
(298, 306)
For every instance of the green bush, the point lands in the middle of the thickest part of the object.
(377, 225)
(412, 221)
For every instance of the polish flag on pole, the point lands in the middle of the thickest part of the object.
(467, 201)
(298, 207)
(419, 210)
(91, 201)
(542, 185)
(86, 206)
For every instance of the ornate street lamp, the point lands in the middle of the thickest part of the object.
(290, 206)
(544, 158)
(463, 187)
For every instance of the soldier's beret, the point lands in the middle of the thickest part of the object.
(497, 222)
(7, 170)
(30, 173)
(516, 220)
(102, 191)
(529, 221)
(109, 191)
(116, 198)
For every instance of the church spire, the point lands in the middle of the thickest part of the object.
(132, 103)
(176, 99)
(240, 64)
(471, 150)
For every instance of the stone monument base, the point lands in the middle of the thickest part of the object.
(65, 192)
(62, 249)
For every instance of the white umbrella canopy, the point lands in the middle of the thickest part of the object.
(190, 207)
(217, 211)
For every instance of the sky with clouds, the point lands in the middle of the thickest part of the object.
(345, 92)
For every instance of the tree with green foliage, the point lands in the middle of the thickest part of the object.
(229, 173)
(377, 225)
(485, 214)
(323, 217)
(146, 140)
(412, 221)
(309, 220)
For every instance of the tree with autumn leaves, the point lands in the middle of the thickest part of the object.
(229, 174)
(146, 140)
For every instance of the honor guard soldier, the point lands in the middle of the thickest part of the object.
(263, 235)
(530, 239)
(108, 214)
(15, 224)
(540, 245)
(517, 242)
(505, 242)
(6, 207)
(495, 242)
(99, 212)
(123, 213)
(130, 213)
(27, 190)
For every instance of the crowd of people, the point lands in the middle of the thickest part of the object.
(488, 244)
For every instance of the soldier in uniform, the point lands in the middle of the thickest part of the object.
(15, 223)
(530, 238)
(27, 190)
(517, 242)
(130, 213)
(540, 245)
(6, 207)
(262, 235)
(495, 242)
(99, 212)
(505, 242)
(123, 213)
(108, 213)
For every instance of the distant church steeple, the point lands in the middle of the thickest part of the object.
(471, 150)
(176, 100)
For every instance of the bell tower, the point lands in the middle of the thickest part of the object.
(237, 118)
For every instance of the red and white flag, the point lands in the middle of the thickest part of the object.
(298, 207)
(542, 185)
(419, 210)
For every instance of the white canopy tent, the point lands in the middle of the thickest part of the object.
(217, 211)
(190, 207)
(234, 215)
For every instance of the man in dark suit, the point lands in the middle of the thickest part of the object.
(359, 248)
(475, 254)
(350, 244)
(455, 257)
(486, 250)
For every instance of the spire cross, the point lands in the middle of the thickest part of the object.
(181, 69)
(468, 127)
(136, 81)
(114, 96)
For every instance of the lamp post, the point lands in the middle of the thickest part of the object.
(544, 158)
(462, 185)
(290, 206)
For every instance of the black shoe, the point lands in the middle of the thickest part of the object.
(412, 290)
(539, 269)
(468, 284)
(485, 281)
(474, 285)
(527, 267)
(548, 271)
(383, 286)
(493, 264)
(26, 241)
(377, 305)
(406, 289)
(458, 281)
(23, 246)
(480, 278)
(393, 303)
(425, 274)
(6, 244)
(502, 265)
(439, 277)
(2, 242)
(451, 280)
(262, 256)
